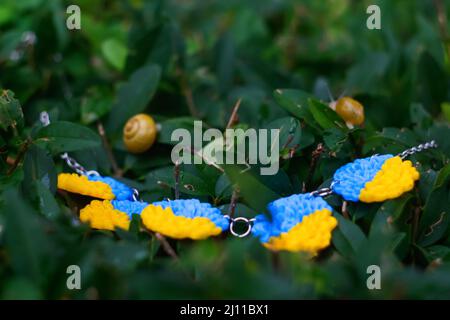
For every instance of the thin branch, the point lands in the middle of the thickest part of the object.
(166, 245)
(415, 222)
(233, 202)
(22, 150)
(288, 141)
(187, 93)
(431, 228)
(118, 172)
(209, 162)
(177, 179)
(442, 22)
(276, 262)
(73, 206)
(312, 167)
(344, 210)
(234, 116)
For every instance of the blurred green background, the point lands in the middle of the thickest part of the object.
(186, 60)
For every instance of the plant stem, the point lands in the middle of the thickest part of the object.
(22, 150)
(177, 179)
(416, 217)
(442, 22)
(187, 93)
(276, 262)
(118, 172)
(234, 117)
(233, 202)
(312, 167)
(209, 162)
(166, 245)
(344, 210)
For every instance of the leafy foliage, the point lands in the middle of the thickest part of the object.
(185, 60)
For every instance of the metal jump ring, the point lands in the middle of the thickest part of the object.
(92, 173)
(247, 221)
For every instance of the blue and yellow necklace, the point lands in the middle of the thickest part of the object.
(300, 222)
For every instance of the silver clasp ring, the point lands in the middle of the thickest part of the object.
(246, 221)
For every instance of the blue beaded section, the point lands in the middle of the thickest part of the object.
(351, 178)
(286, 213)
(120, 190)
(129, 207)
(192, 208)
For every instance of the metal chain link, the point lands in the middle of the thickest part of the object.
(136, 196)
(323, 192)
(75, 166)
(419, 148)
(44, 118)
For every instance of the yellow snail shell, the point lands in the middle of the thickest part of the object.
(350, 110)
(139, 133)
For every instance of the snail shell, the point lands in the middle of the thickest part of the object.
(139, 133)
(350, 110)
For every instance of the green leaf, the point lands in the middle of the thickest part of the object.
(435, 219)
(194, 184)
(25, 239)
(41, 180)
(62, 33)
(290, 131)
(349, 232)
(6, 14)
(420, 116)
(133, 96)
(341, 243)
(224, 187)
(443, 177)
(19, 288)
(115, 52)
(402, 137)
(225, 60)
(12, 180)
(438, 252)
(39, 166)
(10, 111)
(326, 117)
(256, 194)
(169, 125)
(395, 208)
(95, 105)
(429, 89)
(334, 139)
(47, 203)
(296, 103)
(445, 107)
(62, 136)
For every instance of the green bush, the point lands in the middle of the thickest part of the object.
(186, 60)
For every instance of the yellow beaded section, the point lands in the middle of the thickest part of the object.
(311, 235)
(75, 183)
(395, 178)
(102, 215)
(165, 222)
